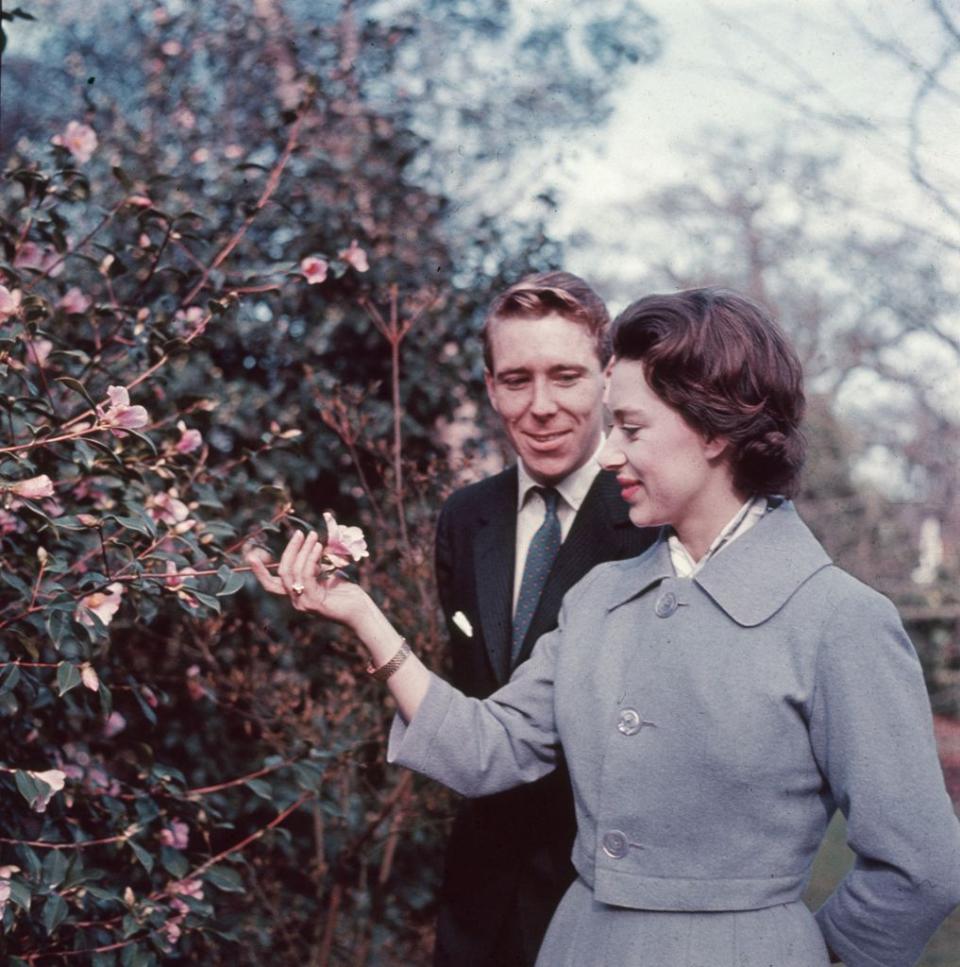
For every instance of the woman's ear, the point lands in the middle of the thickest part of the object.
(715, 447)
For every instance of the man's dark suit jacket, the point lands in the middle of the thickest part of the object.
(508, 860)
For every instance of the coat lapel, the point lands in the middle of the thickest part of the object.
(494, 549)
(601, 531)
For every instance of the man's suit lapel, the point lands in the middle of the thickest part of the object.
(494, 549)
(601, 527)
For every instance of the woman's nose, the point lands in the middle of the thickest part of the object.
(611, 456)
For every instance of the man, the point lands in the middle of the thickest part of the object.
(508, 548)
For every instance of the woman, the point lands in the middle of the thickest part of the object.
(716, 698)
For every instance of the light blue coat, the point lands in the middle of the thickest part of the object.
(712, 725)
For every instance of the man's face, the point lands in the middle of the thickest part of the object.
(547, 387)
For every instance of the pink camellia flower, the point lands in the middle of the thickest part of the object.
(10, 524)
(114, 725)
(54, 778)
(120, 414)
(38, 350)
(31, 256)
(314, 269)
(191, 320)
(171, 930)
(79, 139)
(189, 441)
(139, 201)
(9, 302)
(75, 301)
(89, 677)
(177, 834)
(5, 873)
(167, 507)
(191, 888)
(355, 256)
(34, 488)
(103, 604)
(343, 545)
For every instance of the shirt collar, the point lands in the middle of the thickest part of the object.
(753, 578)
(749, 513)
(573, 488)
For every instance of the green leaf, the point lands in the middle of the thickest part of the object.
(20, 894)
(203, 598)
(146, 860)
(224, 878)
(174, 862)
(232, 581)
(54, 912)
(54, 868)
(122, 177)
(68, 676)
(77, 387)
(261, 788)
(9, 678)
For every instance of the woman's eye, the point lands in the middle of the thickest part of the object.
(631, 432)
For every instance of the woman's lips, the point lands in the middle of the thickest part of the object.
(628, 488)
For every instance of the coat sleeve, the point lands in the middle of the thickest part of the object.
(476, 747)
(871, 732)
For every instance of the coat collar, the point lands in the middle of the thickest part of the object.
(751, 579)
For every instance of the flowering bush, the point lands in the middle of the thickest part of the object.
(168, 756)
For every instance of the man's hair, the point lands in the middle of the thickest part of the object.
(551, 293)
(726, 367)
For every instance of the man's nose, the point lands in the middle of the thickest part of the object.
(543, 403)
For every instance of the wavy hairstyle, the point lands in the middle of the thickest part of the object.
(721, 361)
(548, 293)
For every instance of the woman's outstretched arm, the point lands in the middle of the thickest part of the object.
(337, 599)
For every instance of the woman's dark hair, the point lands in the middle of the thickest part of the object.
(721, 361)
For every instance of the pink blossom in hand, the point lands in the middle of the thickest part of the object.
(343, 545)
(38, 350)
(314, 269)
(167, 507)
(75, 301)
(118, 415)
(9, 302)
(79, 139)
(355, 256)
(32, 489)
(176, 835)
(103, 604)
(189, 441)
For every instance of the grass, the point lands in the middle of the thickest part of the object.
(834, 859)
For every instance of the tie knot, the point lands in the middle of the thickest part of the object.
(550, 498)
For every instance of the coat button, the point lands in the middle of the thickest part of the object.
(629, 722)
(666, 604)
(615, 844)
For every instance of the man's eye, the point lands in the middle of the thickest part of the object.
(567, 379)
(514, 382)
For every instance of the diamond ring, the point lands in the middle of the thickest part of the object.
(297, 589)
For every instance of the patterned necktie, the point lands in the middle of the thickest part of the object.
(540, 556)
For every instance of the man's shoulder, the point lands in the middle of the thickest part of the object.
(482, 493)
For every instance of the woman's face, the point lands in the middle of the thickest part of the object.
(668, 472)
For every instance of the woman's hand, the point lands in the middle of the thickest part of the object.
(297, 577)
